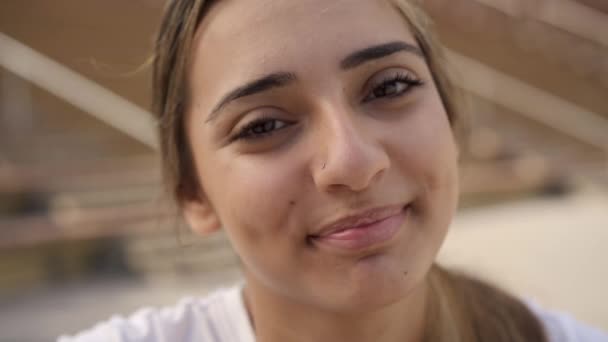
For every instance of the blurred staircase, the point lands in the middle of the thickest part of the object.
(73, 188)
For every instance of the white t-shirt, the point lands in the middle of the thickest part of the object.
(222, 317)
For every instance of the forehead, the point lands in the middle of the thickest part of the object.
(240, 39)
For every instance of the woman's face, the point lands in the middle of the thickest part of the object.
(322, 146)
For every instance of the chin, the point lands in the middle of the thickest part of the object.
(376, 282)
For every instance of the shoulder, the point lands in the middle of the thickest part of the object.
(217, 317)
(562, 327)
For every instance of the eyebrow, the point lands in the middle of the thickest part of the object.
(376, 52)
(281, 79)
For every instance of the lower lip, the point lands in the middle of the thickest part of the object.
(365, 237)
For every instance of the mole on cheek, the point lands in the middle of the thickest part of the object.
(292, 202)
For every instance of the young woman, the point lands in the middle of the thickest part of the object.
(322, 137)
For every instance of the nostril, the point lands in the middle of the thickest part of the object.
(350, 165)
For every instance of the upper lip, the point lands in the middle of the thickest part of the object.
(361, 218)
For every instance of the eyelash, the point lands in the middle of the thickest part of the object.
(409, 80)
(247, 132)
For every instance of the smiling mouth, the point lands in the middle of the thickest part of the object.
(362, 232)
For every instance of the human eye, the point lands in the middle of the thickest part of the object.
(394, 84)
(260, 128)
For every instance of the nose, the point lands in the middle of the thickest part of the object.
(352, 159)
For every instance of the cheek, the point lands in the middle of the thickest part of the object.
(425, 141)
(427, 155)
(437, 157)
(254, 196)
(256, 202)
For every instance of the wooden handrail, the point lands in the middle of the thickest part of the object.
(82, 224)
(81, 174)
(570, 16)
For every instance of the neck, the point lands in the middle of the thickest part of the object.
(276, 318)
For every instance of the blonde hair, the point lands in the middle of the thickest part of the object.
(460, 308)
